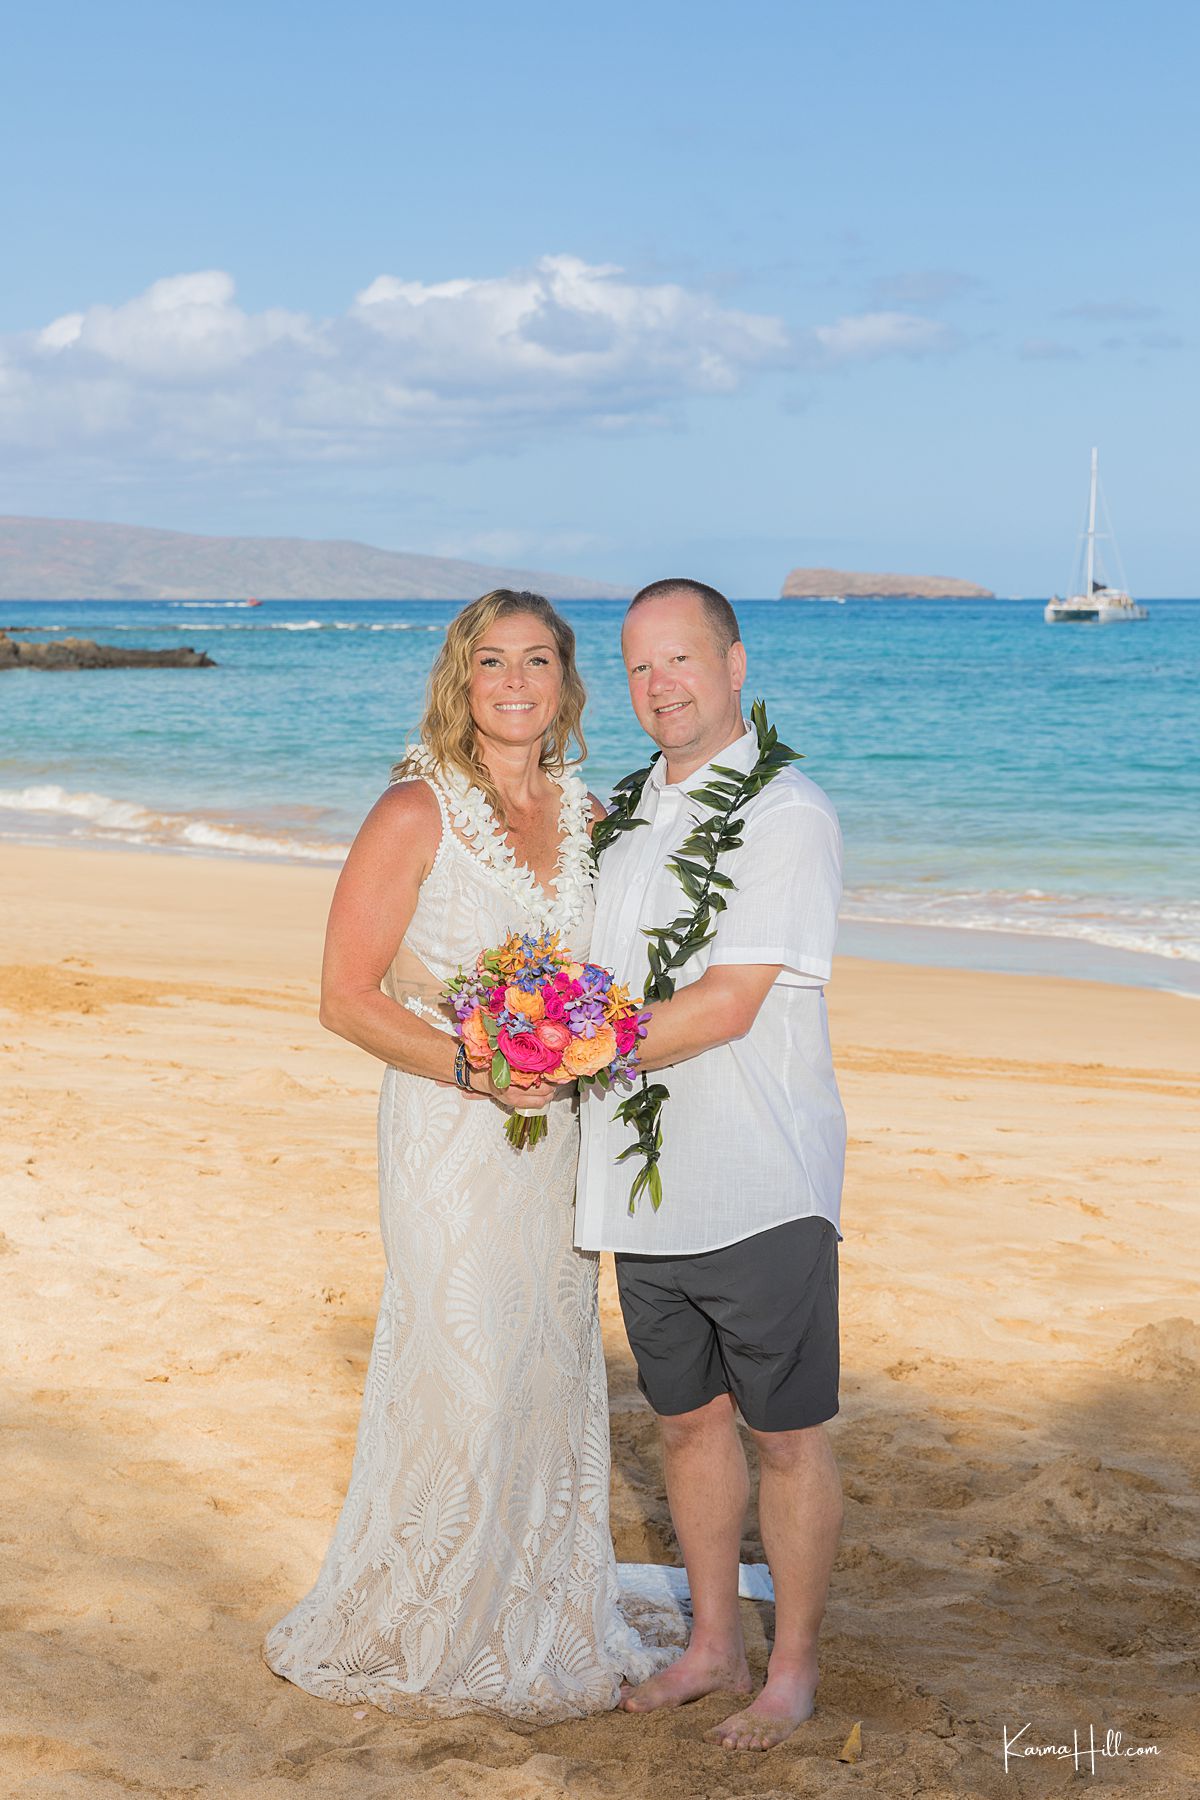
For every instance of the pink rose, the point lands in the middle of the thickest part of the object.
(552, 1034)
(526, 1052)
(496, 1001)
(627, 1033)
(553, 1003)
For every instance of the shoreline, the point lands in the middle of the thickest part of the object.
(981, 949)
(1027, 954)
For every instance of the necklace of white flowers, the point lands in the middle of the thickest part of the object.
(694, 864)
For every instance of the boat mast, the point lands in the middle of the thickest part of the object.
(1091, 549)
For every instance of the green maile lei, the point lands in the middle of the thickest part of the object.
(694, 865)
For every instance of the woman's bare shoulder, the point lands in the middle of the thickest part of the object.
(412, 798)
(599, 810)
(406, 812)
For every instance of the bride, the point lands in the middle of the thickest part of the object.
(471, 1566)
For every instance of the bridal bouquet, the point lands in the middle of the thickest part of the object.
(530, 1012)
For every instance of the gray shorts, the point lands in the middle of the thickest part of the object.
(757, 1320)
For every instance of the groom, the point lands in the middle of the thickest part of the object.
(730, 1290)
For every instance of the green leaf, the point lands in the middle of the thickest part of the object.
(689, 884)
(686, 951)
(501, 1073)
(656, 1192)
(637, 779)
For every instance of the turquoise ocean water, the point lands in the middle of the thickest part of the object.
(1011, 794)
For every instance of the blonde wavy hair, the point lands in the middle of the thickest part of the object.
(447, 728)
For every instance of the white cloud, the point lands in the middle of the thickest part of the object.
(187, 371)
(568, 329)
(182, 375)
(184, 326)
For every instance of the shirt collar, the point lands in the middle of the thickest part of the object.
(742, 754)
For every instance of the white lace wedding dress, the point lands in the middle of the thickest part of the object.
(471, 1566)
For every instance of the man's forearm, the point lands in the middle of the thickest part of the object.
(718, 1008)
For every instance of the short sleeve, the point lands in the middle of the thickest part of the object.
(788, 885)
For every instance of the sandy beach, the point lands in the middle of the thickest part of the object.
(191, 1266)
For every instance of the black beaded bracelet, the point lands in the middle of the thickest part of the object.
(462, 1071)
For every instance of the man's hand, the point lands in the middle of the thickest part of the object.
(530, 1099)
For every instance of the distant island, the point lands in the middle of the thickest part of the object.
(812, 584)
(72, 559)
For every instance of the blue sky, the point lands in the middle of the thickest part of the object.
(645, 290)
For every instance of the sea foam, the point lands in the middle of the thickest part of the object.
(102, 818)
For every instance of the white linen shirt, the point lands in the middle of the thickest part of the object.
(754, 1133)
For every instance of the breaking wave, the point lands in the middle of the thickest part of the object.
(101, 818)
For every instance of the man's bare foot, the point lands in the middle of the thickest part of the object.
(693, 1676)
(785, 1702)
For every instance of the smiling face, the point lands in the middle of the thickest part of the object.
(684, 685)
(516, 681)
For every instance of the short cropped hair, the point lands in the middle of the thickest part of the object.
(719, 615)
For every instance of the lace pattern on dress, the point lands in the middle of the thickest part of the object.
(471, 1566)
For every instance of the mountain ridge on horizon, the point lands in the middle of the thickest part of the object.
(80, 559)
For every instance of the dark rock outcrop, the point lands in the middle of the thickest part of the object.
(82, 653)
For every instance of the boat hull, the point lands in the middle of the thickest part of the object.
(1096, 613)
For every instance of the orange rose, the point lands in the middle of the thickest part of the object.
(479, 1049)
(584, 1056)
(518, 1001)
(575, 971)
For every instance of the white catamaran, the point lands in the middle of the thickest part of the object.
(1095, 600)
